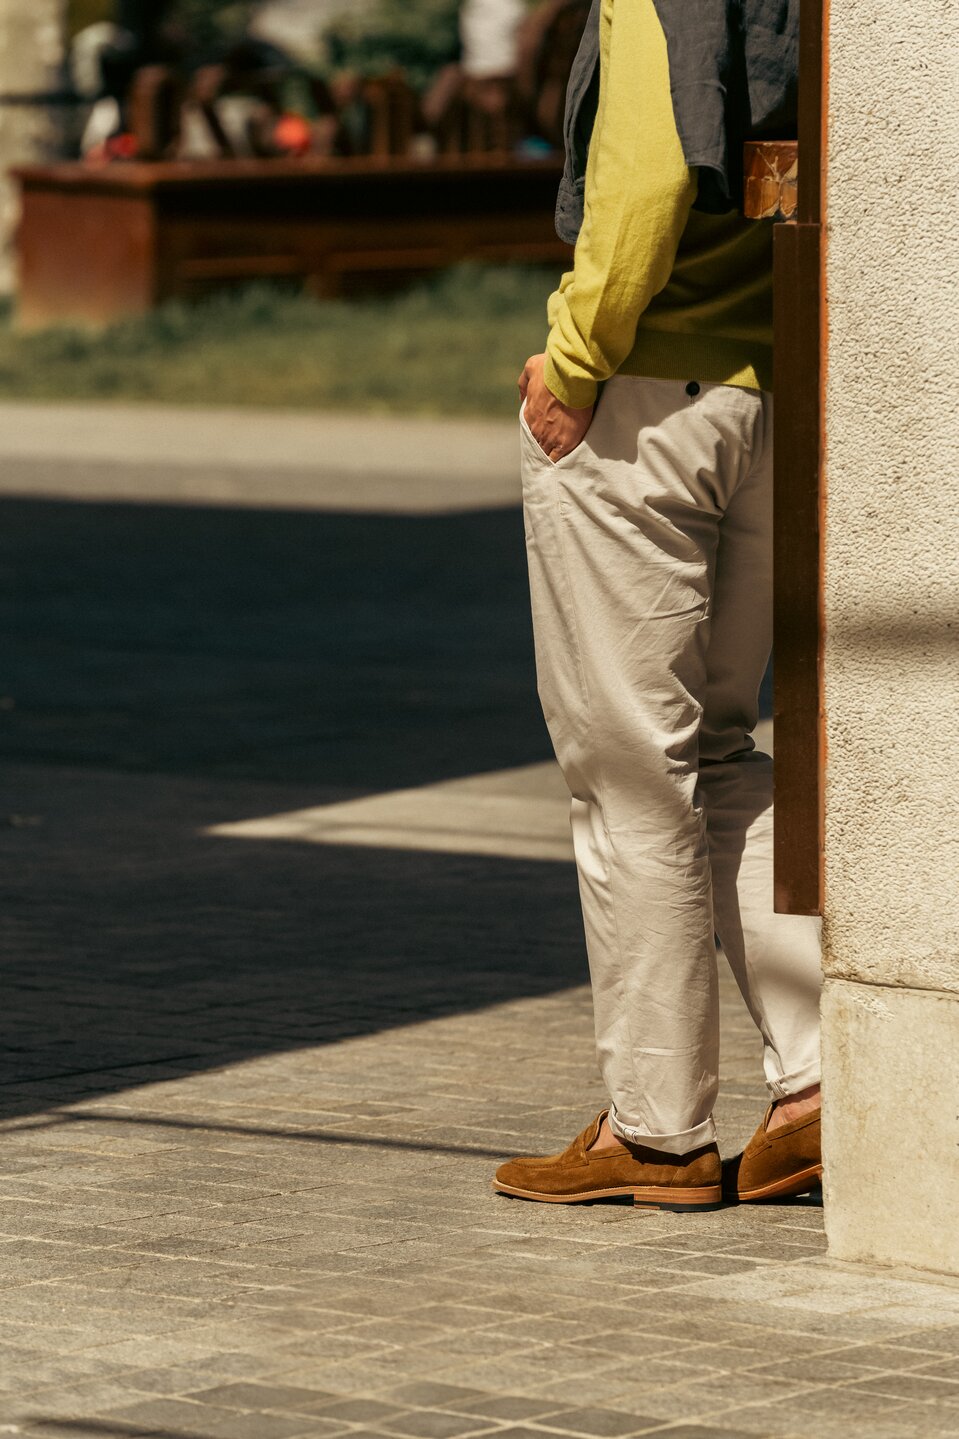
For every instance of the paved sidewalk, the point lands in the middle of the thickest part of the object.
(143, 454)
(258, 1068)
(303, 1241)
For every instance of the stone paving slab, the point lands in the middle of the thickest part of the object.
(518, 813)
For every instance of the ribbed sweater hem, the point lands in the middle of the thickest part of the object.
(666, 355)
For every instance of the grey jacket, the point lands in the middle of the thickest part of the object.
(733, 71)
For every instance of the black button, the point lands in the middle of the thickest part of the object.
(692, 389)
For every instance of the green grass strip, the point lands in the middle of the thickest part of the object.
(452, 345)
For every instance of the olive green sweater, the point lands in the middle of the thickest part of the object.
(657, 288)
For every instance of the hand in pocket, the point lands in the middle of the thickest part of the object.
(556, 428)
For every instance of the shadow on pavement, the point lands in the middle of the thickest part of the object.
(349, 652)
(168, 669)
(107, 1429)
(61, 1119)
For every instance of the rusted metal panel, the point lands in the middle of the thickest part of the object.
(798, 700)
(811, 120)
(798, 839)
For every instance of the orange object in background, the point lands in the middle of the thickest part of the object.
(292, 135)
(116, 147)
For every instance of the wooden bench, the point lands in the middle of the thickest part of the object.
(99, 244)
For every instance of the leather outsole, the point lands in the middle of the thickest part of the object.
(644, 1196)
(786, 1188)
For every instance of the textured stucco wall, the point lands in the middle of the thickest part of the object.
(892, 579)
(31, 62)
(892, 612)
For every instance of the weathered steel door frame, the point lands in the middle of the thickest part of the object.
(797, 706)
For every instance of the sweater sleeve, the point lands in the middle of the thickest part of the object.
(639, 192)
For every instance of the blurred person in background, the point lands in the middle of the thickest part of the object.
(102, 58)
(647, 476)
(488, 33)
(297, 26)
(483, 76)
(218, 79)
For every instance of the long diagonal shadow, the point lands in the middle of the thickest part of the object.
(169, 669)
(108, 1428)
(57, 1119)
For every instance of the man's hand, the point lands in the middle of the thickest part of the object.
(556, 428)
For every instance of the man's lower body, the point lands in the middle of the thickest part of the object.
(650, 556)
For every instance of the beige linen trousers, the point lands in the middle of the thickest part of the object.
(650, 561)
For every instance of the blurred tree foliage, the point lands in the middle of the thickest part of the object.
(210, 24)
(418, 35)
(371, 38)
(206, 26)
(81, 13)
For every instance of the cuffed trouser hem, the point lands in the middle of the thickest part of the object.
(684, 1143)
(796, 1082)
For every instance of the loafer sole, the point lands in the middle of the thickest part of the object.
(786, 1188)
(644, 1196)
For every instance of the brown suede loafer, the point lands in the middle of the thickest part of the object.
(654, 1179)
(775, 1166)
